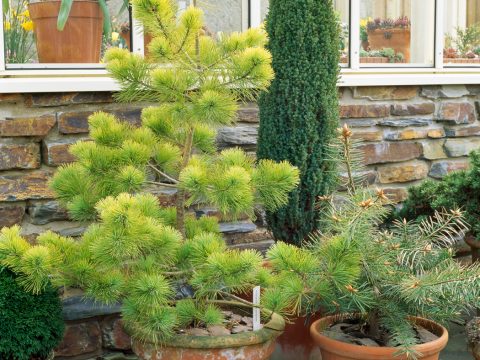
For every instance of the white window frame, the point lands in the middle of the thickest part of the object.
(93, 77)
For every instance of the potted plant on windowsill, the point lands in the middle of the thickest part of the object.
(463, 47)
(70, 31)
(382, 56)
(379, 285)
(390, 33)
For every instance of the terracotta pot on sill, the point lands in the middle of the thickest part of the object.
(336, 350)
(398, 39)
(81, 39)
(253, 345)
(461, 61)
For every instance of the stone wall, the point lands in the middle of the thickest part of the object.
(407, 134)
(412, 133)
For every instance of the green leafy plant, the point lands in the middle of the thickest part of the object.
(300, 109)
(467, 39)
(31, 326)
(138, 252)
(457, 189)
(356, 266)
(384, 52)
(18, 33)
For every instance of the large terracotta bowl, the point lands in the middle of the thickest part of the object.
(336, 350)
(254, 345)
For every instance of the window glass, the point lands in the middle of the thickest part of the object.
(397, 32)
(32, 37)
(342, 7)
(222, 15)
(462, 33)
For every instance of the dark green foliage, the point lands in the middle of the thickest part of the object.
(299, 113)
(30, 325)
(459, 189)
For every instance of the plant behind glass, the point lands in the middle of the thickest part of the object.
(18, 33)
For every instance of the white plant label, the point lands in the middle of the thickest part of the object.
(256, 310)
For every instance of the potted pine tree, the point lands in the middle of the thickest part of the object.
(170, 269)
(70, 31)
(387, 290)
(178, 293)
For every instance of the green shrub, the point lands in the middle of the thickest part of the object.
(458, 189)
(299, 113)
(30, 325)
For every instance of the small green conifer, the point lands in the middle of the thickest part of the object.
(198, 81)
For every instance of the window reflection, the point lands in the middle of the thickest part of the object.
(462, 32)
(399, 32)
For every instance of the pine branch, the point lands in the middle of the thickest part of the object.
(162, 184)
(161, 173)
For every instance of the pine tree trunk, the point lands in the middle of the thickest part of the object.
(374, 325)
(180, 201)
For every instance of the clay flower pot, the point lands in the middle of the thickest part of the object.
(295, 342)
(81, 39)
(397, 38)
(336, 350)
(474, 245)
(254, 345)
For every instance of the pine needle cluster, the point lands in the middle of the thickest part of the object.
(134, 256)
(198, 81)
(356, 265)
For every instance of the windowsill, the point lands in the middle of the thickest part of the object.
(31, 81)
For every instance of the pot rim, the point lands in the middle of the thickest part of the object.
(429, 348)
(270, 331)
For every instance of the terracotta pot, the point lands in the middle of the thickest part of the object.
(365, 45)
(474, 245)
(254, 345)
(397, 39)
(295, 343)
(336, 350)
(374, 60)
(461, 61)
(81, 39)
(125, 35)
(146, 41)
